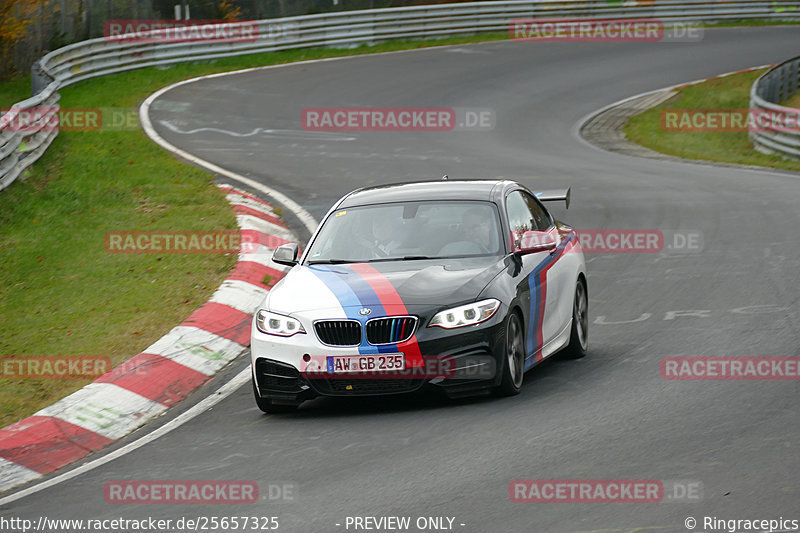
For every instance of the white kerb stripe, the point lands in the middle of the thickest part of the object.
(106, 409)
(235, 199)
(12, 474)
(239, 294)
(198, 349)
(249, 222)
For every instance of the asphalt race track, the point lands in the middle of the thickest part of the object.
(608, 416)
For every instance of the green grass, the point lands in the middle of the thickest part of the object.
(14, 90)
(794, 101)
(731, 92)
(61, 293)
(752, 22)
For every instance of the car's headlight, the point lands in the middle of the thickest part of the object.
(465, 315)
(275, 324)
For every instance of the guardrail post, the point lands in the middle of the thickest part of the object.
(39, 78)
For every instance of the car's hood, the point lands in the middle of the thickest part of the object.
(383, 286)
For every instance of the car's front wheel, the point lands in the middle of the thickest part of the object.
(268, 406)
(579, 335)
(513, 363)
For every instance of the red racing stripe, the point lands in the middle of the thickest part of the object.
(45, 444)
(393, 304)
(542, 294)
(155, 377)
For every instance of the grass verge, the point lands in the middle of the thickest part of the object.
(753, 22)
(794, 101)
(60, 292)
(14, 90)
(730, 92)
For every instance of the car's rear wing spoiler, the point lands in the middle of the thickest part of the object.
(555, 195)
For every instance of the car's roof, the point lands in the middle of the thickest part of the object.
(485, 190)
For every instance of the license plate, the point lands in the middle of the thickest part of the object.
(365, 363)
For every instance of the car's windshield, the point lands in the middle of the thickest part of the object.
(408, 231)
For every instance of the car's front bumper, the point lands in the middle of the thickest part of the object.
(459, 361)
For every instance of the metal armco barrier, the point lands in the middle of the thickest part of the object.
(21, 146)
(781, 136)
(98, 57)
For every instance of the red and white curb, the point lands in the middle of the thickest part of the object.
(149, 383)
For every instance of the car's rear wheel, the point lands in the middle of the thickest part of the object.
(514, 358)
(579, 334)
(268, 406)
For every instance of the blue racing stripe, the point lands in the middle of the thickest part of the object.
(537, 301)
(347, 298)
(535, 288)
(354, 293)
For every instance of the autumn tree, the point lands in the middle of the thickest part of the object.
(229, 10)
(15, 17)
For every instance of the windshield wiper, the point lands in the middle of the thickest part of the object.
(378, 260)
(404, 258)
(330, 261)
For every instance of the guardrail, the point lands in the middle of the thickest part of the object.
(22, 142)
(780, 133)
(98, 57)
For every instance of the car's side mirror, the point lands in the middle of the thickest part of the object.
(286, 254)
(533, 241)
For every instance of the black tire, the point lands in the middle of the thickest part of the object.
(579, 333)
(513, 360)
(266, 405)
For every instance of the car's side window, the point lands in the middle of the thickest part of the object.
(540, 217)
(520, 218)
